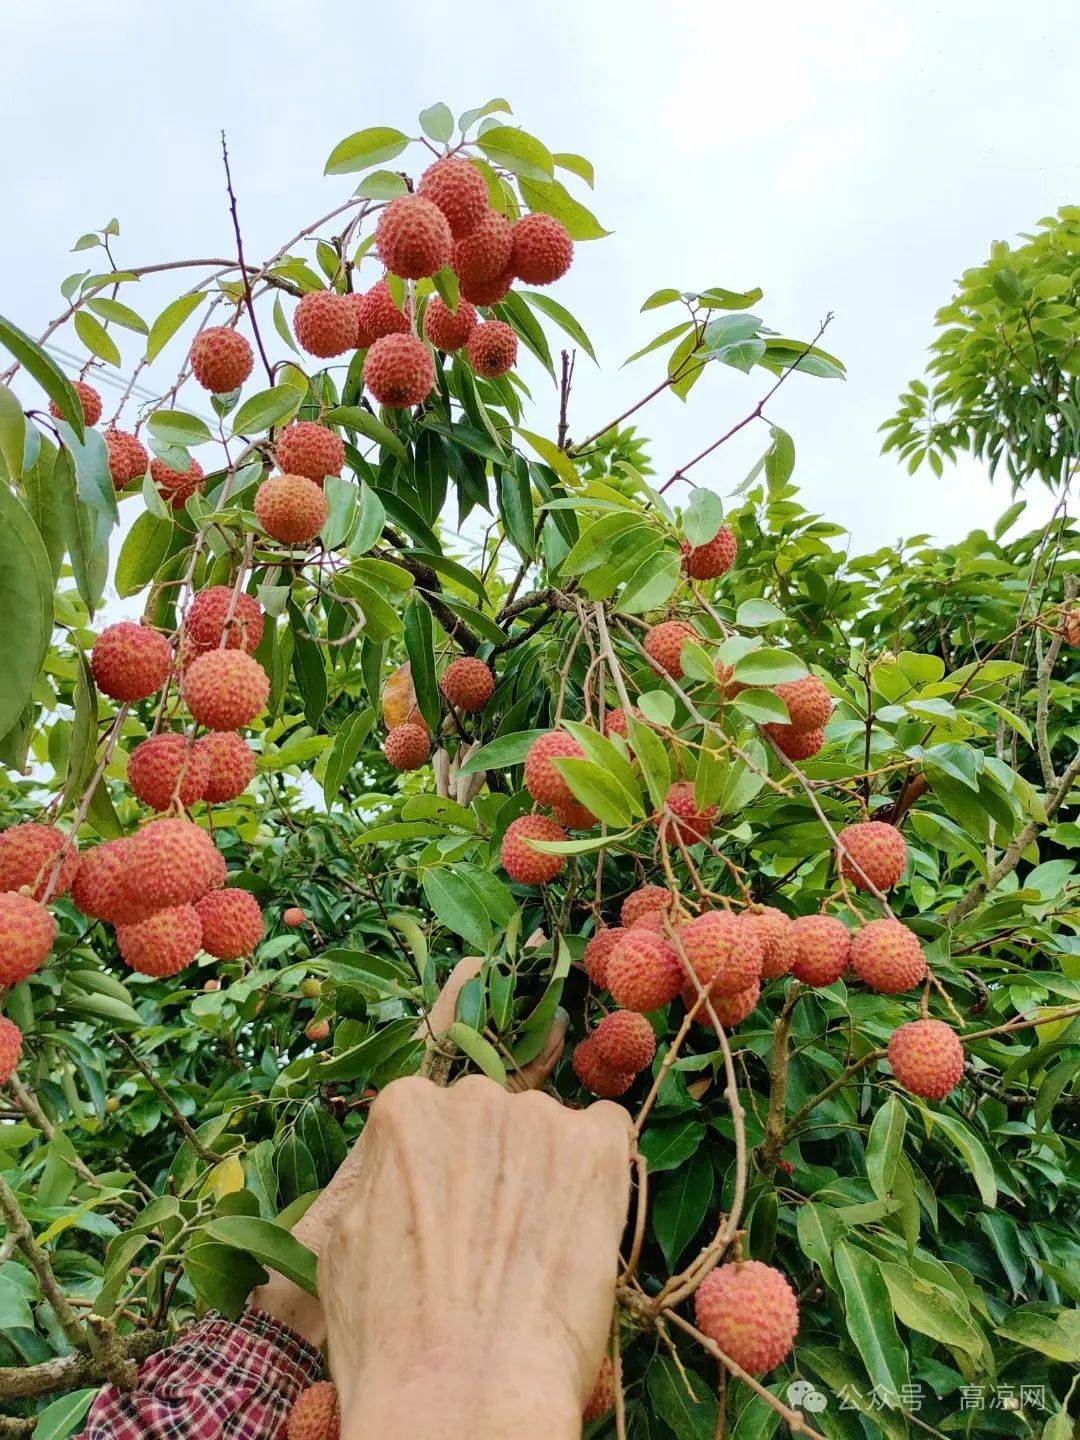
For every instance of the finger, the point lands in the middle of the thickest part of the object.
(533, 1075)
(441, 1015)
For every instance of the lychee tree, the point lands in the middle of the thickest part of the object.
(779, 826)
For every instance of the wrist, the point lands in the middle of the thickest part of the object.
(288, 1304)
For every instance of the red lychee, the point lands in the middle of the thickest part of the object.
(714, 558)
(615, 722)
(294, 918)
(808, 702)
(927, 1058)
(822, 949)
(221, 359)
(487, 292)
(730, 1010)
(170, 862)
(27, 931)
(542, 250)
(225, 689)
(377, 315)
(624, 1040)
(597, 1077)
(683, 820)
(724, 951)
(492, 349)
(459, 190)
(318, 1030)
(177, 486)
(485, 253)
(726, 684)
(887, 956)
(520, 861)
(777, 935)
(872, 854)
(1070, 625)
(399, 371)
(413, 237)
(444, 328)
(291, 509)
(797, 744)
(89, 399)
(232, 923)
(314, 451)
(325, 324)
(574, 816)
(315, 1415)
(663, 645)
(28, 855)
(10, 1048)
(643, 971)
(100, 885)
(602, 1400)
(217, 870)
(163, 944)
(597, 952)
(407, 747)
(750, 1311)
(206, 619)
(646, 897)
(467, 683)
(165, 768)
(128, 460)
(230, 765)
(542, 780)
(129, 661)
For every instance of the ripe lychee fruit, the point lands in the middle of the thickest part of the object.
(318, 1030)
(413, 237)
(655, 920)
(714, 558)
(100, 885)
(225, 689)
(10, 1048)
(165, 768)
(486, 252)
(218, 870)
(1070, 625)
(796, 744)
(444, 328)
(206, 620)
(927, 1058)
(89, 399)
(377, 315)
(492, 349)
(230, 764)
(232, 923)
(520, 861)
(324, 323)
(646, 897)
(643, 971)
(574, 816)
(808, 702)
(308, 449)
(597, 952)
(27, 931)
(724, 951)
(128, 459)
(683, 820)
(28, 854)
(129, 661)
(624, 1040)
(177, 486)
(170, 862)
(597, 1077)
(822, 949)
(663, 644)
(776, 933)
(399, 371)
(294, 918)
(726, 684)
(730, 1010)
(488, 292)
(542, 250)
(221, 359)
(602, 1400)
(615, 722)
(542, 780)
(407, 747)
(750, 1311)
(872, 854)
(291, 508)
(163, 944)
(887, 956)
(459, 190)
(315, 1415)
(467, 683)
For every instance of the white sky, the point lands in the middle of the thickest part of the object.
(851, 156)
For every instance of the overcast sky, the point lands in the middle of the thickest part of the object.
(852, 156)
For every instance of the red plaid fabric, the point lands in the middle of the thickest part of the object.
(223, 1380)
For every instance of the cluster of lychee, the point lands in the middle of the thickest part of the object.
(467, 684)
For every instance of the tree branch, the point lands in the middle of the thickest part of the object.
(71, 1372)
(209, 1156)
(36, 1258)
(243, 268)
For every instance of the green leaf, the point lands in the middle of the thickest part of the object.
(268, 407)
(365, 148)
(142, 554)
(382, 185)
(169, 321)
(704, 517)
(679, 1207)
(420, 648)
(932, 1310)
(370, 520)
(755, 614)
(220, 1277)
(601, 750)
(58, 1420)
(818, 1229)
(652, 584)
(779, 460)
(1044, 1333)
(454, 903)
(884, 1145)
(96, 338)
(82, 747)
(717, 298)
(662, 339)
(768, 667)
(652, 757)
(669, 1144)
(971, 1148)
(562, 318)
(501, 753)
(658, 298)
(551, 197)
(118, 314)
(269, 1244)
(479, 1050)
(26, 602)
(577, 165)
(362, 422)
(598, 791)
(868, 1315)
(515, 150)
(345, 751)
(437, 122)
(689, 1419)
(12, 433)
(174, 427)
(761, 706)
(45, 371)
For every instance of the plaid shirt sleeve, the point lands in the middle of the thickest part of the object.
(223, 1380)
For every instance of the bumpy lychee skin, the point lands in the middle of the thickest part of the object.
(230, 766)
(520, 861)
(777, 935)
(325, 324)
(217, 870)
(315, 1414)
(797, 744)
(686, 823)
(872, 854)
(486, 252)
(542, 780)
(624, 1040)
(732, 1010)
(407, 747)
(597, 1077)
(822, 949)
(177, 486)
(130, 662)
(492, 349)
(27, 932)
(100, 885)
(808, 702)
(602, 1400)
(128, 460)
(598, 951)
(232, 923)
(308, 449)
(10, 1048)
(377, 315)
(887, 956)
(318, 1030)
(165, 768)
(615, 722)
(927, 1058)
(724, 951)
(205, 621)
(291, 509)
(225, 689)
(1070, 625)
(663, 645)
(714, 558)
(399, 371)
(446, 329)
(488, 292)
(413, 237)
(750, 1311)
(294, 918)
(643, 972)
(89, 399)
(542, 250)
(459, 190)
(467, 683)
(28, 855)
(170, 862)
(646, 897)
(221, 359)
(726, 684)
(574, 816)
(163, 944)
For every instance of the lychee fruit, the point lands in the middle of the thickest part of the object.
(294, 918)
(574, 816)
(129, 661)
(399, 371)
(714, 558)
(492, 349)
(10, 1048)
(726, 684)
(28, 855)
(808, 702)
(221, 359)
(645, 897)
(724, 951)
(225, 689)
(100, 886)
(310, 988)
(1070, 625)
(520, 861)
(459, 190)
(486, 252)
(446, 329)
(175, 487)
(315, 1415)
(822, 949)
(413, 237)
(542, 780)
(663, 644)
(643, 971)
(308, 449)
(170, 862)
(230, 763)
(542, 250)
(872, 854)
(128, 459)
(730, 1010)
(291, 509)
(318, 1030)
(751, 1313)
(206, 620)
(624, 1040)
(165, 768)
(683, 819)
(218, 871)
(887, 956)
(927, 1058)
(324, 323)
(232, 923)
(597, 1077)
(597, 952)
(796, 744)
(488, 292)
(27, 931)
(467, 683)
(615, 722)
(377, 315)
(777, 935)
(163, 944)
(89, 400)
(407, 747)
(602, 1400)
